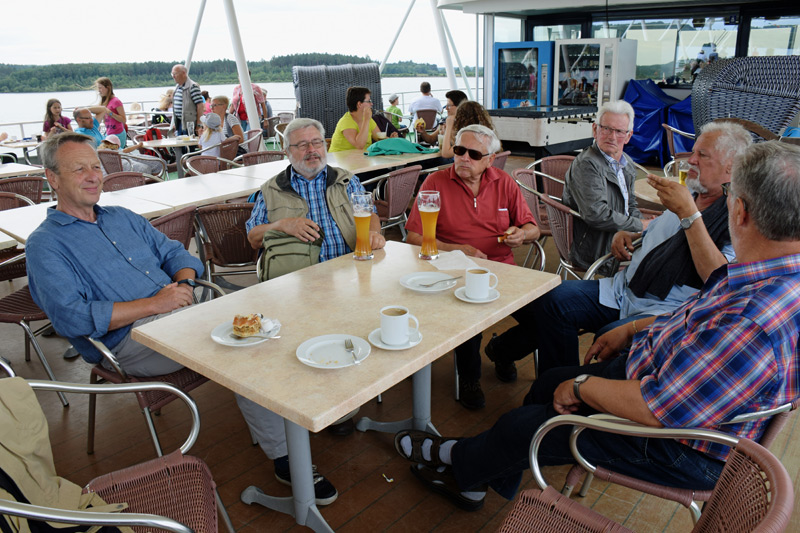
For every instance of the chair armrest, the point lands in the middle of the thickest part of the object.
(594, 267)
(39, 513)
(147, 158)
(542, 195)
(5, 364)
(113, 388)
(672, 129)
(624, 427)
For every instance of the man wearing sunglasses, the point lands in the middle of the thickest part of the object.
(482, 214)
(599, 186)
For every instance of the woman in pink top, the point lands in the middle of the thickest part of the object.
(115, 116)
(53, 121)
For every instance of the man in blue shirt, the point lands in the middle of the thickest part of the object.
(87, 124)
(325, 192)
(101, 271)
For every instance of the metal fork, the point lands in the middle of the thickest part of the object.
(426, 285)
(348, 345)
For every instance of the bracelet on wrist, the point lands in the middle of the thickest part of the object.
(635, 329)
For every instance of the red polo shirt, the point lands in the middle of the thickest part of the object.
(476, 220)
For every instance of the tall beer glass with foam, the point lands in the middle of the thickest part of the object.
(362, 211)
(428, 203)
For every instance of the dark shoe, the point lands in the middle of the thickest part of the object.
(324, 492)
(71, 353)
(506, 371)
(445, 484)
(342, 430)
(417, 438)
(470, 394)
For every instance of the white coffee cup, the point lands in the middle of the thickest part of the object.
(477, 284)
(394, 325)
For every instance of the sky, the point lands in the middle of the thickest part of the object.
(47, 31)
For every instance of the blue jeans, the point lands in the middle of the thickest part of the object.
(499, 456)
(551, 324)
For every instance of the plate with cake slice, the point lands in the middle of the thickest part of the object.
(246, 330)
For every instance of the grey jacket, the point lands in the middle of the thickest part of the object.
(592, 190)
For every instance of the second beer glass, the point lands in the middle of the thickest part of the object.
(362, 211)
(428, 203)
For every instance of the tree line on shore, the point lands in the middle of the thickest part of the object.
(81, 76)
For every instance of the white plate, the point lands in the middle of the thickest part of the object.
(327, 351)
(414, 281)
(375, 339)
(222, 335)
(461, 294)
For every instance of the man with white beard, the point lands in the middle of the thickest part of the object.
(679, 250)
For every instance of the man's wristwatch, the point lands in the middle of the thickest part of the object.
(576, 385)
(687, 222)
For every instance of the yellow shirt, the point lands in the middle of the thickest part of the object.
(339, 143)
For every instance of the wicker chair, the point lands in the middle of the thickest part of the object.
(223, 241)
(12, 259)
(175, 492)
(270, 127)
(279, 129)
(753, 493)
(286, 117)
(500, 159)
(256, 158)
(125, 180)
(526, 179)
(252, 141)
(206, 164)
(29, 186)
(560, 218)
(397, 189)
(686, 497)
(227, 152)
(178, 225)
(112, 161)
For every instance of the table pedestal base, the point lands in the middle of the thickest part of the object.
(302, 504)
(421, 410)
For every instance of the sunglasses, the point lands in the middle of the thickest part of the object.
(473, 154)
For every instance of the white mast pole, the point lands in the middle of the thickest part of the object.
(448, 62)
(241, 66)
(458, 58)
(194, 35)
(396, 36)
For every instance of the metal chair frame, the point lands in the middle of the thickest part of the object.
(398, 191)
(227, 152)
(194, 159)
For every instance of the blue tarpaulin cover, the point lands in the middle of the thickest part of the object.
(680, 116)
(650, 105)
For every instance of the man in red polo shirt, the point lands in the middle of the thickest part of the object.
(479, 204)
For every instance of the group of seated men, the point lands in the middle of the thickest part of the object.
(666, 359)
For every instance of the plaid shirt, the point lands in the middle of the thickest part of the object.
(731, 350)
(313, 192)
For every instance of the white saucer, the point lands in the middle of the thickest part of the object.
(327, 351)
(222, 334)
(414, 281)
(461, 294)
(375, 338)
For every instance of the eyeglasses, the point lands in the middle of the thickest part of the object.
(218, 104)
(609, 130)
(367, 101)
(726, 190)
(303, 146)
(473, 154)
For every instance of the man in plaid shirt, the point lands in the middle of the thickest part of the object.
(730, 350)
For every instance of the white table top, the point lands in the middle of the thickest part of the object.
(6, 241)
(170, 142)
(261, 172)
(196, 190)
(338, 296)
(20, 144)
(8, 170)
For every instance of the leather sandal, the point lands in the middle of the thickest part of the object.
(417, 438)
(445, 484)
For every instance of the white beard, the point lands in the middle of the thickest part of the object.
(694, 185)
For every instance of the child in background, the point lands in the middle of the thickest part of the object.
(53, 121)
(212, 133)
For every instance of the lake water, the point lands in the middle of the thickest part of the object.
(29, 107)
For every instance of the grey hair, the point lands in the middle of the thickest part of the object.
(485, 135)
(301, 123)
(618, 107)
(767, 178)
(732, 140)
(77, 111)
(48, 149)
(180, 67)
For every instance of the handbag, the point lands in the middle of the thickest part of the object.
(284, 253)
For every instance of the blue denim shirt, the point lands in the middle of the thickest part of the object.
(77, 270)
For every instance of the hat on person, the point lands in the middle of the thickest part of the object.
(113, 139)
(212, 121)
(393, 97)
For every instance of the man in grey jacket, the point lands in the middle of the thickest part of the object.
(599, 186)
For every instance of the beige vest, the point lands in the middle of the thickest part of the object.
(283, 202)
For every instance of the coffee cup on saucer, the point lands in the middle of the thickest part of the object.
(395, 325)
(477, 283)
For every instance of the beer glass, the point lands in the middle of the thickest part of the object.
(190, 129)
(678, 169)
(362, 211)
(428, 203)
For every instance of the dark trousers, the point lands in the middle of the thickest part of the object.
(551, 324)
(499, 456)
